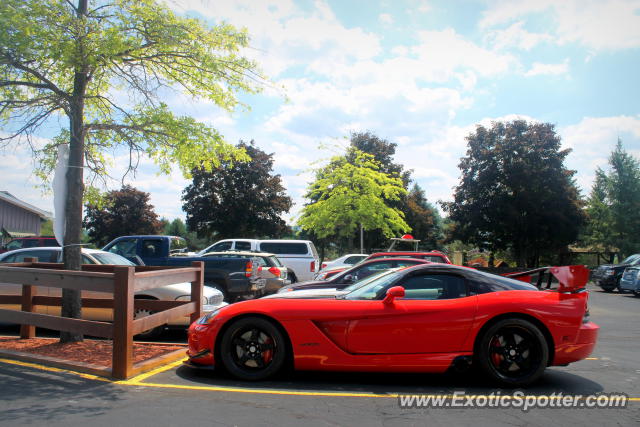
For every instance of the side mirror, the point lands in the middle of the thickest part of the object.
(392, 294)
(348, 278)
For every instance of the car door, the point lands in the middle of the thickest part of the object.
(126, 248)
(435, 316)
(43, 255)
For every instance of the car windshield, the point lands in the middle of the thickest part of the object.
(373, 288)
(109, 258)
(367, 280)
(276, 261)
(631, 259)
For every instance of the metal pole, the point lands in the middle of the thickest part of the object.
(361, 240)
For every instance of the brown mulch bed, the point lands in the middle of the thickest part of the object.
(95, 352)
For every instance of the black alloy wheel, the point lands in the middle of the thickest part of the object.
(513, 352)
(253, 349)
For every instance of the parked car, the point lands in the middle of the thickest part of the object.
(332, 292)
(343, 261)
(29, 242)
(355, 273)
(235, 277)
(608, 276)
(212, 298)
(630, 280)
(432, 256)
(426, 318)
(269, 267)
(299, 256)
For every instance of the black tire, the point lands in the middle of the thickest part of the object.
(608, 289)
(151, 333)
(513, 352)
(292, 276)
(636, 294)
(253, 349)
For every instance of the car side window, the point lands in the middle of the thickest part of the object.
(405, 263)
(151, 248)
(352, 259)
(14, 244)
(87, 260)
(434, 286)
(42, 255)
(243, 245)
(370, 269)
(125, 248)
(222, 246)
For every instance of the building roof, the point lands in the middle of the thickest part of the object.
(10, 198)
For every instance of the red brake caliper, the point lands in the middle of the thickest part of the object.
(496, 358)
(267, 355)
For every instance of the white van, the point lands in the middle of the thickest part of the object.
(300, 256)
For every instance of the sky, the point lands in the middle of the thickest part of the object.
(421, 74)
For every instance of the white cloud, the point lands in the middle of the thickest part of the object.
(283, 35)
(516, 36)
(385, 18)
(596, 24)
(538, 69)
(442, 53)
(592, 140)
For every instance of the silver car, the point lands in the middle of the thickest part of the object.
(630, 281)
(212, 298)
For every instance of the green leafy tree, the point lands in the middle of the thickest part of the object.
(423, 218)
(613, 207)
(176, 227)
(382, 151)
(122, 212)
(349, 194)
(515, 192)
(105, 67)
(237, 199)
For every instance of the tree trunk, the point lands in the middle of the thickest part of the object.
(71, 299)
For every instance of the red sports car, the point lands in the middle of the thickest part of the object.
(424, 318)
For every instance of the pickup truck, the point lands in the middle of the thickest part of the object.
(235, 277)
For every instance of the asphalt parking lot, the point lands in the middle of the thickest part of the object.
(178, 395)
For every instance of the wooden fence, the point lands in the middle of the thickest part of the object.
(121, 281)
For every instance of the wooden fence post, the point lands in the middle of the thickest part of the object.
(197, 290)
(27, 331)
(123, 289)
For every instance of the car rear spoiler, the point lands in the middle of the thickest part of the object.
(570, 278)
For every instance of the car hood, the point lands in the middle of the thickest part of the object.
(185, 289)
(306, 284)
(309, 294)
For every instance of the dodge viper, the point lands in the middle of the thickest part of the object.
(425, 318)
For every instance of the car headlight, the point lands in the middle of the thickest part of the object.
(610, 272)
(205, 301)
(207, 318)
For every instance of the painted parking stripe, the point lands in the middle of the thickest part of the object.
(52, 369)
(137, 381)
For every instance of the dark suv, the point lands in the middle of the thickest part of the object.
(29, 242)
(608, 276)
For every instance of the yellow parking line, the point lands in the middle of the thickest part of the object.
(138, 378)
(51, 369)
(137, 381)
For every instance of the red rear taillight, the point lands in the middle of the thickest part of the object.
(275, 271)
(313, 266)
(248, 269)
(324, 264)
